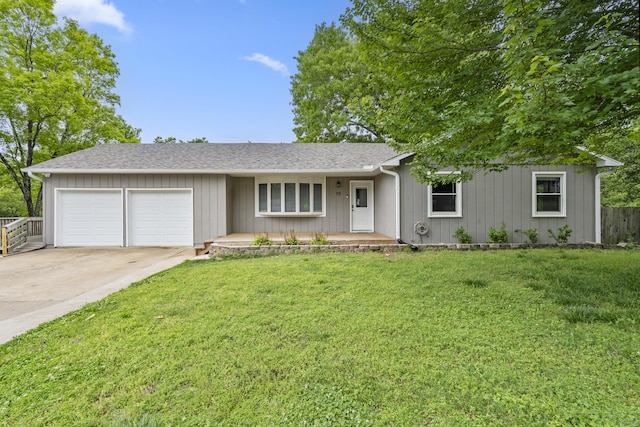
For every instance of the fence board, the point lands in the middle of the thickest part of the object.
(620, 224)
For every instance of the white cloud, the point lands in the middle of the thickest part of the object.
(93, 11)
(275, 65)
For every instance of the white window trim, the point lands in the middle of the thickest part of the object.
(458, 211)
(563, 195)
(282, 180)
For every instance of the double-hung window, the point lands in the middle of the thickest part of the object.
(290, 196)
(445, 199)
(549, 194)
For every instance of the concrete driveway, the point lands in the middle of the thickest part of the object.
(39, 286)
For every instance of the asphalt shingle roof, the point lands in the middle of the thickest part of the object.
(227, 158)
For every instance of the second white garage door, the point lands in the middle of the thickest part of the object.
(160, 218)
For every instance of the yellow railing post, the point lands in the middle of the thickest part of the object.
(4, 241)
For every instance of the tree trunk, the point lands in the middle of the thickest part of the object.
(38, 209)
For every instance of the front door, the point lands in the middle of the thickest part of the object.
(361, 206)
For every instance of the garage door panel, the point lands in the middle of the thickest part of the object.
(89, 218)
(160, 218)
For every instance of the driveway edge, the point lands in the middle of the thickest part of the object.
(14, 326)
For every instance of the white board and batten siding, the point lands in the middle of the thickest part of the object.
(338, 209)
(490, 199)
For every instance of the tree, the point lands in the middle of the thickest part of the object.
(56, 92)
(480, 85)
(11, 203)
(332, 90)
(173, 140)
(622, 188)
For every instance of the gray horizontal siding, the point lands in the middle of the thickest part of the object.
(209, 197)
(493, 198)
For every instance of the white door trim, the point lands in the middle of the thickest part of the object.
(362, 217)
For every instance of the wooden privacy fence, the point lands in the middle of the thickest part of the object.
(14, 232)
(620, 224)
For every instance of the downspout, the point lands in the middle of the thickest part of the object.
(397, 180)
(32, 176)
(598, 211)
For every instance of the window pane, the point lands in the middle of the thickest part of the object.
(305, 198)
(289, 197)
(443, 203)
(317, 197)
(548, 203)
(275, 198)
(361, 197)
(443, 197)
(548, 185)
(449, 188)
(262, 197)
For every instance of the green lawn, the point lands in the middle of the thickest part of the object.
(506, 338)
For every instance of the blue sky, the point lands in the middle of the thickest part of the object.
(218, 69)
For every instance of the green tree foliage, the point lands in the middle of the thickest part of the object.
(483, 84)
(11, 203)
(622, 188)
(173, 140)
(56, 91)
(333, 90)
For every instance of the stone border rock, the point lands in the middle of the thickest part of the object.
(219, 251)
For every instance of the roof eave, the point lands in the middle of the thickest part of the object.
(395, 161)
(603, 161)
(606, 161)
(75, 171)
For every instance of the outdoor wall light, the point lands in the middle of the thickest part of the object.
(338, 184)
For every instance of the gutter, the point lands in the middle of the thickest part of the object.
(397, 179)
(32, 176)
(365, 171)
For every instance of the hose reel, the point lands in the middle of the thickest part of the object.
(421, 228)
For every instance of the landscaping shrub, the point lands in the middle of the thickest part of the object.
(291, 239)
(262, 240)
(462, 235)
(563, 235)
(531, 233)
(499, 236)
(319, 239)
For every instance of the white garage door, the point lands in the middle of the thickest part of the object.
(160, 218)
(88, 218)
